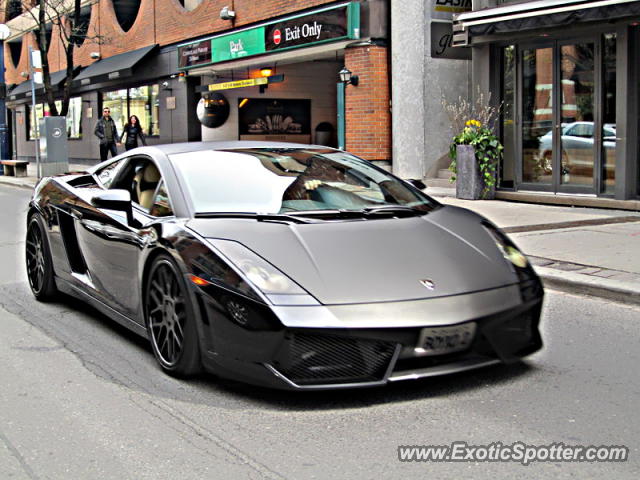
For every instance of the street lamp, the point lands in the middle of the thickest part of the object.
(347, 77)
(4, 138)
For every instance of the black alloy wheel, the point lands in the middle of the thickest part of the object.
(171, 320)
(39, 264)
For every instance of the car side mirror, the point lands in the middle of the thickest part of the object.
(116, 199)
(417, 183)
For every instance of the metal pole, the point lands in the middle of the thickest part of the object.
(33, 109)
(341, 116)
(4, 138)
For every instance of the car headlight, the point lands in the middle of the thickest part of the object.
(506, 246)
(277, 287)
(530, 286)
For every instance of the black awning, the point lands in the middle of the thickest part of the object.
(536, 15)
(112, 68)
(24, 89)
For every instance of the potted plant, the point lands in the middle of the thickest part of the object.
(475, 150)
(475, 155)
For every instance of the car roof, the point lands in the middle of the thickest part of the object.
(173, 148)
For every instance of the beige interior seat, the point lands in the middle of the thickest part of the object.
(146, 183)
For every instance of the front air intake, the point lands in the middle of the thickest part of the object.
(324, 359)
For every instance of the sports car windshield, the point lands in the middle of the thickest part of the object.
(293, 181)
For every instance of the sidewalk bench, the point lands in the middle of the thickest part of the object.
(15, 168)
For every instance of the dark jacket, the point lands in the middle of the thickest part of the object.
(99, 131)
(133, 132)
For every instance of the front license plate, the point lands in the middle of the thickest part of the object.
(441, 340)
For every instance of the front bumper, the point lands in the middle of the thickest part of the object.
(330, 358)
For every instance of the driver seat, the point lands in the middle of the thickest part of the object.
(146, 182)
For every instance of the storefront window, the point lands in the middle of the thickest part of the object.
(74, 117)
(507, 174)
(142, 102)
(577, 114)
(537, 115)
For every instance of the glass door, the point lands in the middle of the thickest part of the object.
(575, 156)
(537, 117)
(560, 142)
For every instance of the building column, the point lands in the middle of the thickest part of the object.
(626, 114)
(368, 115)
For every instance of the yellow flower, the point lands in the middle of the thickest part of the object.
(474, 123)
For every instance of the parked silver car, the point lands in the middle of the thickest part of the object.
(577, 147)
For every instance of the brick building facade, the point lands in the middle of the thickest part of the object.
(171, 102)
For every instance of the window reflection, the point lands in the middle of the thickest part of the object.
(289, 180)
(537, 115)
(507, 174)
(74, 117)
(142, 102)
(578, 147)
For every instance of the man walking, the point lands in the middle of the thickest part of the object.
(107, 132)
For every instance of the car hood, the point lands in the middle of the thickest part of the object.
(381, 260)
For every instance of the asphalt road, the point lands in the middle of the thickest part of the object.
(82, 398)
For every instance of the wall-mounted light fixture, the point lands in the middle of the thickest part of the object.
(347, 77)
(226, 14)
(95, 55)
(24, 74)
(266, 71)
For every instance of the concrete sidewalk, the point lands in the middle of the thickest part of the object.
(581, 250)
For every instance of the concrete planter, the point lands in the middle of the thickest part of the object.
(469, 182)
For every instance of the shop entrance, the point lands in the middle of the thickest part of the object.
(561, 136)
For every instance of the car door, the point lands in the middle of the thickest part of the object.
(113, 245)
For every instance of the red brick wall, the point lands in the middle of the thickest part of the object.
(368, 118)
(368, 115)
(159, 21)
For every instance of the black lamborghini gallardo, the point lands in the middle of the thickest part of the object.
(290, 266)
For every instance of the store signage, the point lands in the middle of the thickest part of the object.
(274, 119)
(238, 45)
(250, 82)
(441, 47)
(444, 9)
(194, 54)
(308, 29)
(341, 22)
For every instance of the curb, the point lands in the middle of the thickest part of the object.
(18, 183)
(584, 285)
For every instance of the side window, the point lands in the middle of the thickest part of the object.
(107, 174)
(161, 206)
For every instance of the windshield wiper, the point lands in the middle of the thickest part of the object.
(402, 209)
(261, 217)
(367, 212)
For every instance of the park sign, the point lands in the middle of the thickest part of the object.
(329, 24)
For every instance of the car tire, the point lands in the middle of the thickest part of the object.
(171, 320)
(38, 261)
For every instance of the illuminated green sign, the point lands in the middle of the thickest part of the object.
(330, 24)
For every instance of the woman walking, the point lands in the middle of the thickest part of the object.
(133, 130)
